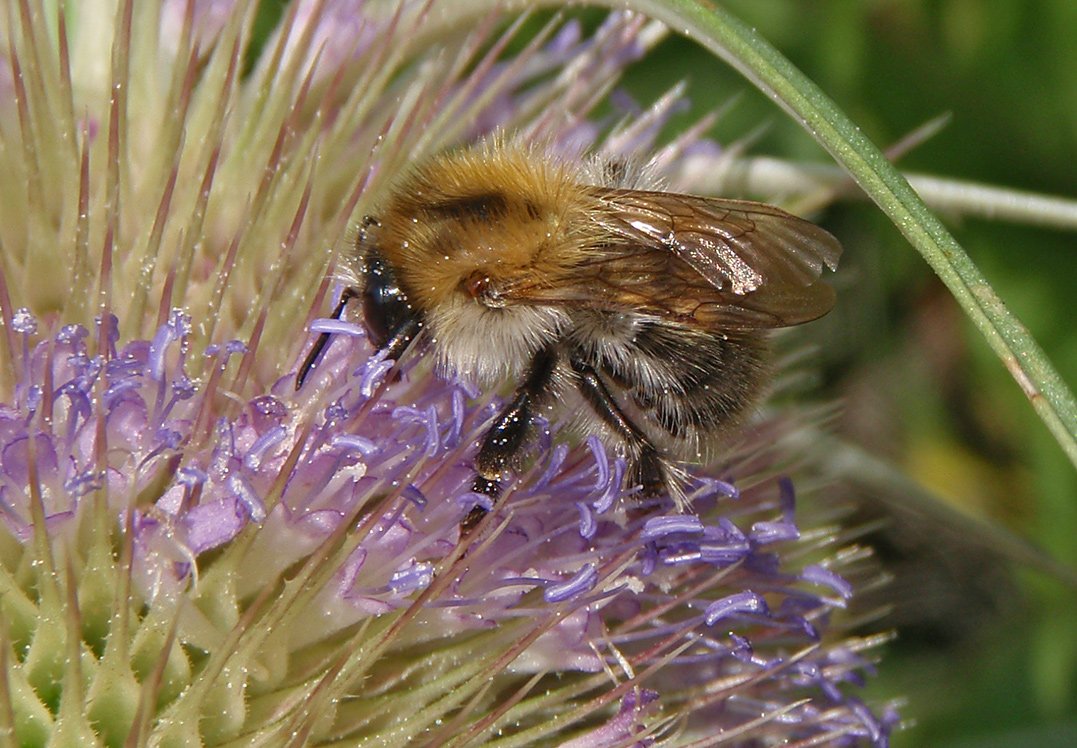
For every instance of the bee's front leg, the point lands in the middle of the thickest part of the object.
(323, 340)
(509, 432)
(399, 339)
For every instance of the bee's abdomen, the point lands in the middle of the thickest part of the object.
(682, 386)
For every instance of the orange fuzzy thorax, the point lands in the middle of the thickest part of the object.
(478, 222)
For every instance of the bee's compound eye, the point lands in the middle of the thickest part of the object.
(385, 306)
(375, 317)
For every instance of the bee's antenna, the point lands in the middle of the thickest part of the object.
(315, 354)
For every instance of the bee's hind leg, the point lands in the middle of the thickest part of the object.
(649, 467)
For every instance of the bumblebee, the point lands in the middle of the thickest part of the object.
(650, 309)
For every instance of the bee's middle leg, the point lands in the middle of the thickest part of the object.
(508, 434)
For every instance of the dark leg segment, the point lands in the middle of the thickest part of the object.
(648, 462)
(315, 354)
(508, 434)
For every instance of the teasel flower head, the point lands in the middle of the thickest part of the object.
(192, 552)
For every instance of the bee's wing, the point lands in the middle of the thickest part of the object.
(711, 262)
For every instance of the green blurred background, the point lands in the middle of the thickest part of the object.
(987, 654)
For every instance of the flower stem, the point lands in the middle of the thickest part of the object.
(764, 175)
